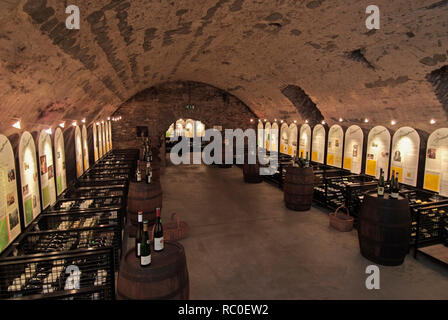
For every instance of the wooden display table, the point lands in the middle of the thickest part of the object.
(384, 229)
(165, 279)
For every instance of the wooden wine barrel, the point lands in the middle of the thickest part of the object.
(145, 197)
(165, 279)
(384, 229)
(298, 188)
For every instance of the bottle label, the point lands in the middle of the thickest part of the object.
(145, 260)
(138, 249)
(158, 244)
(394, 195)
(140, 218)
(380, 191)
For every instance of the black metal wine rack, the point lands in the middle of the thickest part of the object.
(87, 274)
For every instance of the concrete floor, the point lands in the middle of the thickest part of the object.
(244, 244)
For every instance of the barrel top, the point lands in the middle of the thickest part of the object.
(172, 252)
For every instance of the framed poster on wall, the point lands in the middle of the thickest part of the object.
(274, 137)
(292, 139)
(305, 140)
(85, 148)
(260, 134)
(100, 140)
(284, 136)
(95, 143)
(335, 145)
(110, 134)
(353, 148)
(46, 170)
(436, 165)
(378, 152)
(318, 144)
(78, 152)
(267, 136)
(59, 153)
(29, 181)
(9, 200)
(405, 155)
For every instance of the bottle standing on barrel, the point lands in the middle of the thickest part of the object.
(138, 175)
(307, 161)
(158, 232)
(395, 187)
(138, 234)
(391, 178)
(381, 183)
(150, 154)
(145, 248)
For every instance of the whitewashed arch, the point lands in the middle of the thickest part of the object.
(267, 136)
(335, 146)
(292, 139)
(110, 135)
(436, 164)
(260, 135)
(378, 152)
(29, 181)
(59, 152)
(85, 148)
(106, 135)
(405, 155)
(103, 138)
(9, 202)
(318, 144)
(353, 148)
(78, 152)
(305, 140)
(46, 169)
(284, 136)
(189, 128)
(100, 140)
(95, 142)
(274, 137)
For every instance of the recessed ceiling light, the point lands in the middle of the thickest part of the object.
(48, 131)
(62, 124)
(17, 125)
(366, 120)
(393, 122)
(340, 120)
(432, 121)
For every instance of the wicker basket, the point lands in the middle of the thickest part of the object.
(173, 230)
(341, 221)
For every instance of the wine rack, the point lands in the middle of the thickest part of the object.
(105, 191)
(86, 204)
(77, 275)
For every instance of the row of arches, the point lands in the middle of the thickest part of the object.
(363, 152)
(41, 177)
(189, 128)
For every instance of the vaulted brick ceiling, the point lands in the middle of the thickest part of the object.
(272, 55)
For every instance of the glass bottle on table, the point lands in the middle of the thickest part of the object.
(381, 183)
(138, 234)
(158, 232)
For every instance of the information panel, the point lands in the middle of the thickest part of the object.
(95, 143)
(267, 136)
(274, 137)
(59, 153)
(318, 144)
(103, 138)
(405, 154)
(106, 129)
(305, 140)
(378, 152)
(260, 134)
(46, 170)
(78, 152)
(292, 140)
(284, 135)
(110, 133)
(85, 148)
(353, 148)
(436, 167)
(334, 146)
(100, 140)
(9, 200)
(28, 178)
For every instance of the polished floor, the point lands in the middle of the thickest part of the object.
(244, 244)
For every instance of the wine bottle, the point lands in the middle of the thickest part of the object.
(145, 248)
(394, 188)
(148, 174)
(381, 183)
(158, 232)
(138, 175)
(138, 234)
(307, 161)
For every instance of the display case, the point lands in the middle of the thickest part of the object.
(305, 141)
(85, 148)
(353, 149)
(267, 136)
(78, 152)
(436, 164)
(284, 136)
(378, 152)
(46, 170)
(59, 154)
(292, 139)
